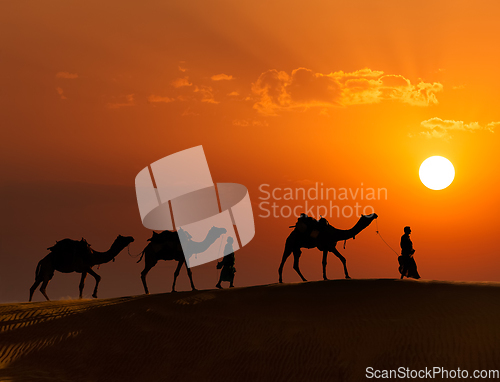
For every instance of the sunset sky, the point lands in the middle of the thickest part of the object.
(286, 93)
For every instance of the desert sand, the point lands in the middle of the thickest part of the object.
(313, 331)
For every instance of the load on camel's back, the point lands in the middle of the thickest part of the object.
(158, 241)
(309, 226)
(64, 251)
(67, 245)
(311, 233)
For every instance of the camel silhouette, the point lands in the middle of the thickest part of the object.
(170, 249)
(69, 256)
(325, 240)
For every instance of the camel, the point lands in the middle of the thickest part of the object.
(69, 256)
(170, 249)
(325, 240)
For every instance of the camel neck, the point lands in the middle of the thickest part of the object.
(107, 256)
(202, 246)
(362, 223)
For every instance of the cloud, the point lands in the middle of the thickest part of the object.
(155, 99)
(248, 122)
(439, 128)
(66, 75)
(61, 93)
(233, 94)
(190, 93)
(205, 93)
(181, 82)
(276, 91)
(184, 98)
(129, 102)
(324, 112)
(189, 112)
(222, 77)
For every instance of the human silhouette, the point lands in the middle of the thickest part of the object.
(227, 265)
(407, 265)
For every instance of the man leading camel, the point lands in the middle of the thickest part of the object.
(227, 265)
(407, 265)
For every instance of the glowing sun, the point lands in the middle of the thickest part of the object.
(436, 173)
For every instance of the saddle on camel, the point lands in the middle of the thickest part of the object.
(309, 226)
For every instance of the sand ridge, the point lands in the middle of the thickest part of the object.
(322, 331)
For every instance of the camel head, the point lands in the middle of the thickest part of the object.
(195, 247)
(217, 231)
(365, 220)
(118, 245)
(123, 241)
(370, 217)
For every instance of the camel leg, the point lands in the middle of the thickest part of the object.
(176, 273)
(33, 288)
(325, 255)
(342, 258)
(190, 275)
(144, 273)
(296, 257)
(97, 280)
(43, 273)
(82, 283)
(43, 287)
(286, 255)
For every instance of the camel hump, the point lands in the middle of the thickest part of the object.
(69, 245)
(163, 236)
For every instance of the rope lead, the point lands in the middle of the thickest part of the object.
(378, 233)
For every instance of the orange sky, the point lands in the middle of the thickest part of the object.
(281, 93)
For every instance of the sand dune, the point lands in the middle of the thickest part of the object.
(320, 331)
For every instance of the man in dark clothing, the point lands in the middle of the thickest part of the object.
(227, 265)
(407, 265)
